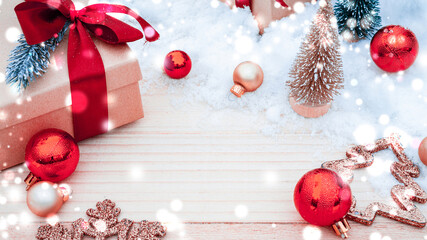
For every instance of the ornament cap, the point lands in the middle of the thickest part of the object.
(341, 228)
(238, 90)
(65, 191)
(30, 180)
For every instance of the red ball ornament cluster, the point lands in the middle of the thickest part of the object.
(51, 155)
(322, 198)
(177, 64)
(394, 48)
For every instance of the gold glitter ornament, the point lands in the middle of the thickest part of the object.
(403, 170)
(103, 223)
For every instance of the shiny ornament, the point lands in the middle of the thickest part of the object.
(322, 198)
(52, 155)
(404, 194)
(422, 151)
(247, 77)
(46, 198)
(177, 64)
(394, 48)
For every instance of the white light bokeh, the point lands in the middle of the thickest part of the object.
(25, 219)
(12, 219)
(170, 220)
(384, 119)
(379, 167)
(214, 3)
(375, 236)
(176, 205)
(14, 194)
(3, 223)
(2, 77)
(311, 233)
(271, 178)
(3, 200)
(243, 44)
(299, 7)
(241, 211)
(12, 34)
(417, 84)
(136, 172)
(52, 220)
(365, 134)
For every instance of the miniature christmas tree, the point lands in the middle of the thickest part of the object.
(357, 19)
(317, 72)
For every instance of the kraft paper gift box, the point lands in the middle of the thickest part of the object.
(46, 103)
(268, 11)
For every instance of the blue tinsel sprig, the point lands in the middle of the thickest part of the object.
(27, 62)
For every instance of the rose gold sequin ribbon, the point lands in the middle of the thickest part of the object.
(103, 223)
(403, 170)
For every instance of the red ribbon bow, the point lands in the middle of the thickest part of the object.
(40, 20)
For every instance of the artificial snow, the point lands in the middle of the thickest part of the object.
(372, 104)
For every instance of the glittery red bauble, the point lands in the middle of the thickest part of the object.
(52, 155)
(394, 48)
(177, 64)
(321, 197)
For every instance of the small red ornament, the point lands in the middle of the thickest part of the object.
(322, 198)
(394, 48)
(177, 64)
(52, 155)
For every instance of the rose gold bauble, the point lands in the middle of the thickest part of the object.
(422, 151)
(45, 198)
(309, 110)
(247, 77)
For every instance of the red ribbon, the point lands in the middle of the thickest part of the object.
(40, 20)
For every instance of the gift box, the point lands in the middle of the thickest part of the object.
(268, 11)
(46, 103)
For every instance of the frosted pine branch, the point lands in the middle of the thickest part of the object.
(357, 19)
(27, 62)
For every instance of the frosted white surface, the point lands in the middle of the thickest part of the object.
(373, 103)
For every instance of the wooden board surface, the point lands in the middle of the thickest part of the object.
(204, 179)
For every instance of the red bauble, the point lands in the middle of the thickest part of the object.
(321, 197)
(52, 155)
(394, 48)
(177, 64)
